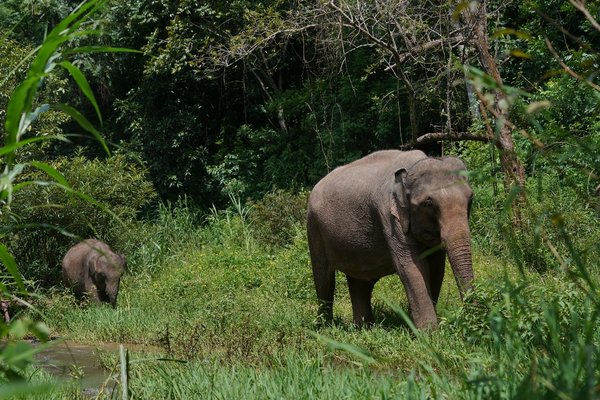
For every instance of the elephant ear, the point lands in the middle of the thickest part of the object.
(98, 262)
(400, 206)
(95, 266)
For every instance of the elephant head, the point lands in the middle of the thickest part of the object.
(106, 274)
(433, 201)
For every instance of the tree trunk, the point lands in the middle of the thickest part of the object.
(514, 172)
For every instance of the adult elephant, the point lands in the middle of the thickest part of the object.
(391, 212)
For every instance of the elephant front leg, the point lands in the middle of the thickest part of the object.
(437, 269)
(421, 305)
(413, 272)
(360, 294)
(93, 293)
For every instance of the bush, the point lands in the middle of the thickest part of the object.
(554, 208)
(277, 215)
(540, 333)
(514, 310)
(120, 186)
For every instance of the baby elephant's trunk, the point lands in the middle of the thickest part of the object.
(112, 290)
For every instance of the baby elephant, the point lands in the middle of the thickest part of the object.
(92, 267)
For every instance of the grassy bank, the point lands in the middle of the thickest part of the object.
(242, 316)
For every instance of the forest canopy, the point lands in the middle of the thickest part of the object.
(244, 97)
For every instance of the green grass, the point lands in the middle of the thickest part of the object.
(243, 319)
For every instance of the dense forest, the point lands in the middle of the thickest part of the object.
(189, 134)
(246, 96)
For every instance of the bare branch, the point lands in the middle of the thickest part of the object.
(421, 48)
(580, 5)
(441, 136)
(567, 69)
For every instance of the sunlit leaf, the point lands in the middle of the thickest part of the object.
(520, 54)
(29, 117)
(460, 7)
(510, 31)
(537, 106)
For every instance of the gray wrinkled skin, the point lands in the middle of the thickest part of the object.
(91, 267)
(391, 212)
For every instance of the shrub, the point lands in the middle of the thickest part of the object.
(514, 311)
(277, 215)
(552, 211)
(120, 186)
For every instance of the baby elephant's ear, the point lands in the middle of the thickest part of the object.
(97, 266)
(400, 206)
(123, 260)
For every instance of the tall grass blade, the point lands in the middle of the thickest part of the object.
(4, 150)
(18, 105)
(52, 172)
(78, 13)
(83, 85)
(362, 354)
(100, 49)
(11, 266)
(83, 122)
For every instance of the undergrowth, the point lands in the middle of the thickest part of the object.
(242, 317)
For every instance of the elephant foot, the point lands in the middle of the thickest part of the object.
(325, 314)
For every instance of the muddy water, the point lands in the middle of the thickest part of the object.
(70, 360)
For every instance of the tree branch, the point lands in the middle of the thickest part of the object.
(439, 136)
(580, 5)
(567, 69)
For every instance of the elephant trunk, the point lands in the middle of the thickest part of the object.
(112, 290)
(458, 248)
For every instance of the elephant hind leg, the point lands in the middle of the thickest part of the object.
(323, 275)
(325, 285)
(360, 294)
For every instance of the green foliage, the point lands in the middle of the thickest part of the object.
(22, 112)
(46, 213)
(29, 20)
(278, 216)
(172, 229)
(218, 297)
(540, 335)
(553, 210)
(512, 312)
